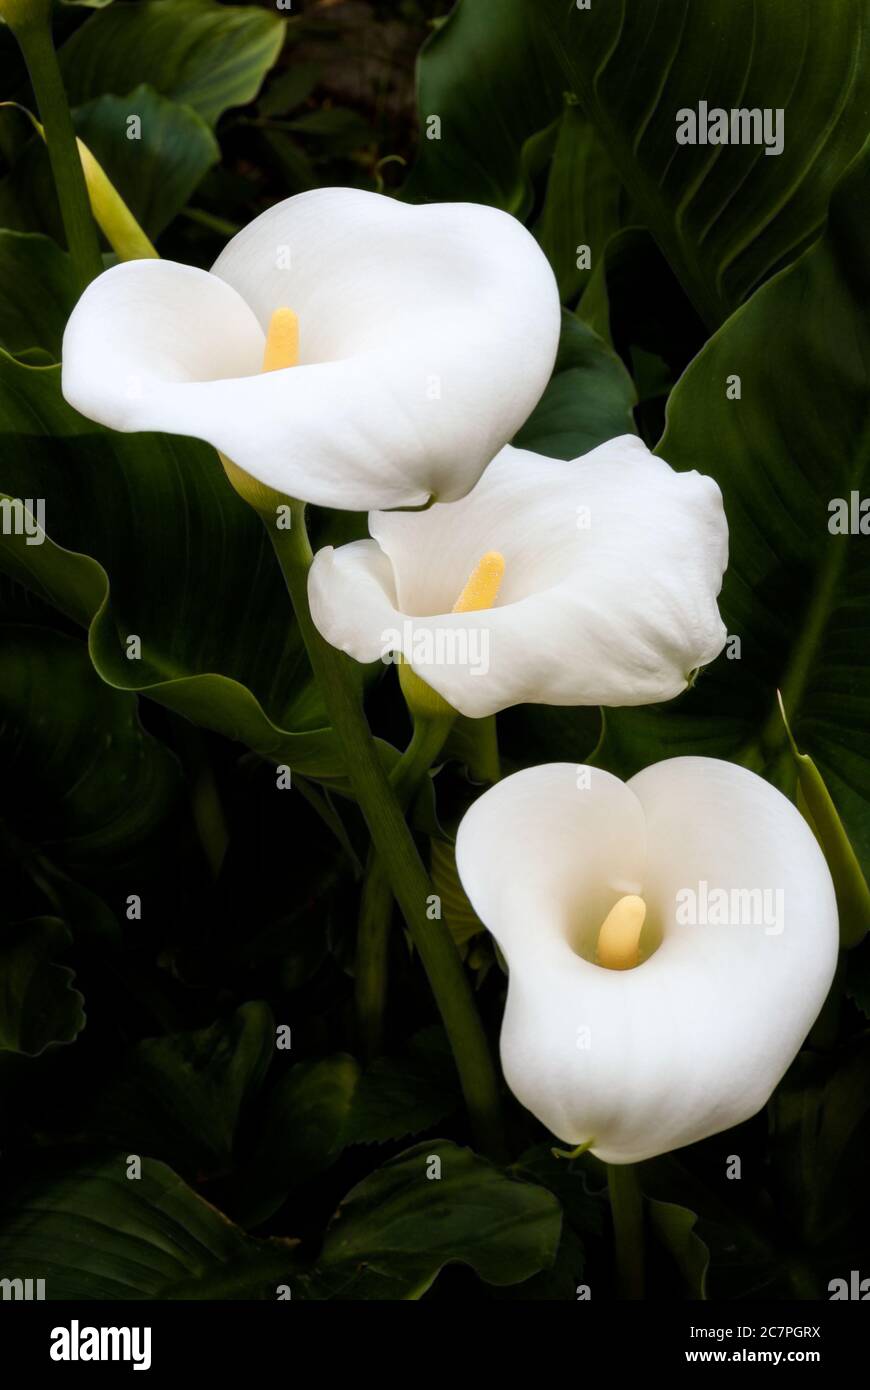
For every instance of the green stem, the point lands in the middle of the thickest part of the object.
(69, 180)
(376, 906)
(626, 1205)
(392, 840)
(486, 766)
(427, 740)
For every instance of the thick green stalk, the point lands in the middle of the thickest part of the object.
(33, 32)
(486, 764)
(392, 840)
(626, 1206)
(376, 906)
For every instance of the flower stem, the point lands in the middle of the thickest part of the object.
(37, 46)
(486, 766)
(626, 1206)
(376, 907)
(394, 844)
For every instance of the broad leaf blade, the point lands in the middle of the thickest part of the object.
(588, 400)
(80, 779)
(204, 55)
(796, 594)
(92, 1232)
(38, 291)
(38, 1004)
(179, 1098)
(726, 217)
(396, 1230)
(488, 76)
(206, 599)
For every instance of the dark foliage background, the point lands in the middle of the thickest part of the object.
(155, 1034)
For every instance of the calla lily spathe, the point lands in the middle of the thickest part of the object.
(695, 1037)
(426, 336)
(611, 568)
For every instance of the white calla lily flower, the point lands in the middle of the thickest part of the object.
(599, 578)
(670, 942)
(426, 336)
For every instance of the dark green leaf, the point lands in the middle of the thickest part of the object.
(589, 398)
(294, 166)
(180, 1098)
(583, 205)
(675, 1227)
(289, 89)
(91, 1232)
(38, 1005)
(201, 54)
(733, 1223)
(488, 76)
(820, 1131)
(155, 173)
(726, 216)
(303, 1130)
(207, 600)
(796, 595)
(857, 977)
(340, 130)
(458, 912)
(37, 292)
(635, 302)
(79, 778)
(398, 1096)
(394, 1232)
(814, 801)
